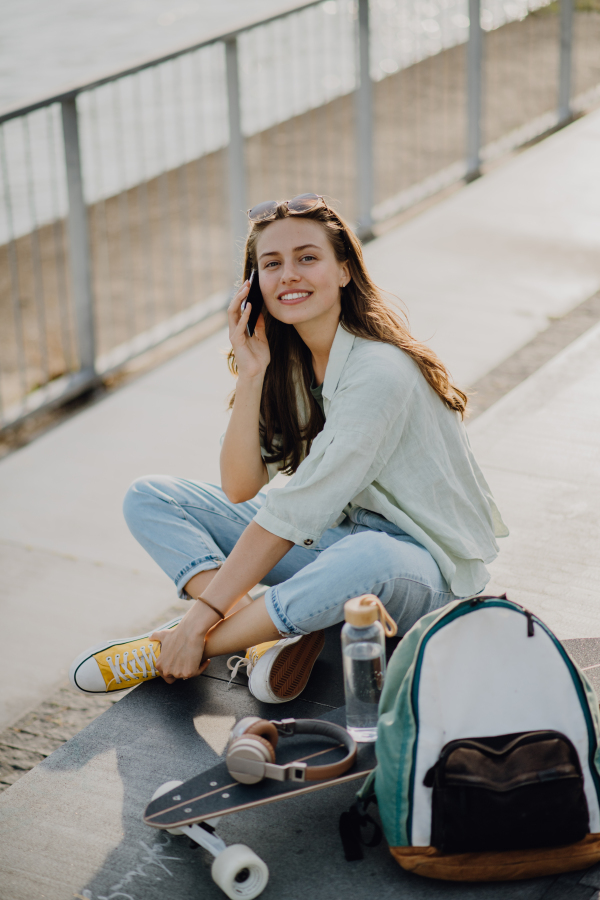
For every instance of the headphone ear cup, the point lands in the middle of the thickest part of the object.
(252, 747)
(266, 744)
(264, 729)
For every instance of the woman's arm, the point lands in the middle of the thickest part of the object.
(243, 471)
(255, 554)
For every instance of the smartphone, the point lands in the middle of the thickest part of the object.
(256, 299)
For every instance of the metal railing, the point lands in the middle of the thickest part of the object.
(129, 229)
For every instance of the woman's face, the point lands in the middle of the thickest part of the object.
(300, 278)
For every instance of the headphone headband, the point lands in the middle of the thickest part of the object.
(246, 764)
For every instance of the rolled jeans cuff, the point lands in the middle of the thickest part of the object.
(281, 622)
(194, 568)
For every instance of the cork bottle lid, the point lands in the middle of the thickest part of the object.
(367, 609)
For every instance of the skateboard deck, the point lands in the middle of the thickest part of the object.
(215, 793)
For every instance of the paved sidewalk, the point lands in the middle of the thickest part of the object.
(540, 450)
(481, 273)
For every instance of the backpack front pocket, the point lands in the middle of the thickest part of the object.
(509, 792)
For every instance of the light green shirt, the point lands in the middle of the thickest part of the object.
(390, 445)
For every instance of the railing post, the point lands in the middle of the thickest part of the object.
(364, 128)
(235, 157)
(474, 90)
(79, 244)
(565, 113)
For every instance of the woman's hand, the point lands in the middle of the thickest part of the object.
(252, 354)
(182, 648)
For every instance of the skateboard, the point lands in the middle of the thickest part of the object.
(194, 807)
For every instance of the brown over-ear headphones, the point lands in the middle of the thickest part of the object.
(252, 743)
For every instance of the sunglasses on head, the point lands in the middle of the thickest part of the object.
(303, 203)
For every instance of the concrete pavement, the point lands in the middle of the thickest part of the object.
(481, 273)
(540, 450)
(484, 271)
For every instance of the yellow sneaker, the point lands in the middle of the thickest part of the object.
(278, 671)
(118, 665)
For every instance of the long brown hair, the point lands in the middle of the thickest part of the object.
(287, 437)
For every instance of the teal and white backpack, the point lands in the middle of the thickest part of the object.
(487, 748)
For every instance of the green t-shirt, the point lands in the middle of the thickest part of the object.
(317, 392)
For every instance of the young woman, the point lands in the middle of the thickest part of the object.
(385, 496)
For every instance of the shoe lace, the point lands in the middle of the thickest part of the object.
(131, 669)
(234, 667)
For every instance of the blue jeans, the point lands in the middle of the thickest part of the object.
(188, 527)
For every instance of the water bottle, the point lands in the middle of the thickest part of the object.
(363, 653)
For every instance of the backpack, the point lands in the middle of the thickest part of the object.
(488, 759)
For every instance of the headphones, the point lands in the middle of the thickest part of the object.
(251, 750)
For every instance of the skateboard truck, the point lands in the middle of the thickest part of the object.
(237, 870)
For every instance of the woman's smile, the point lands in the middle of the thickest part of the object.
(292, 297)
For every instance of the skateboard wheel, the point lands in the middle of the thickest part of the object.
(240, 873)
(164, 789)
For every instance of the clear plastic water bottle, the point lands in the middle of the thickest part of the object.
(363, 653)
